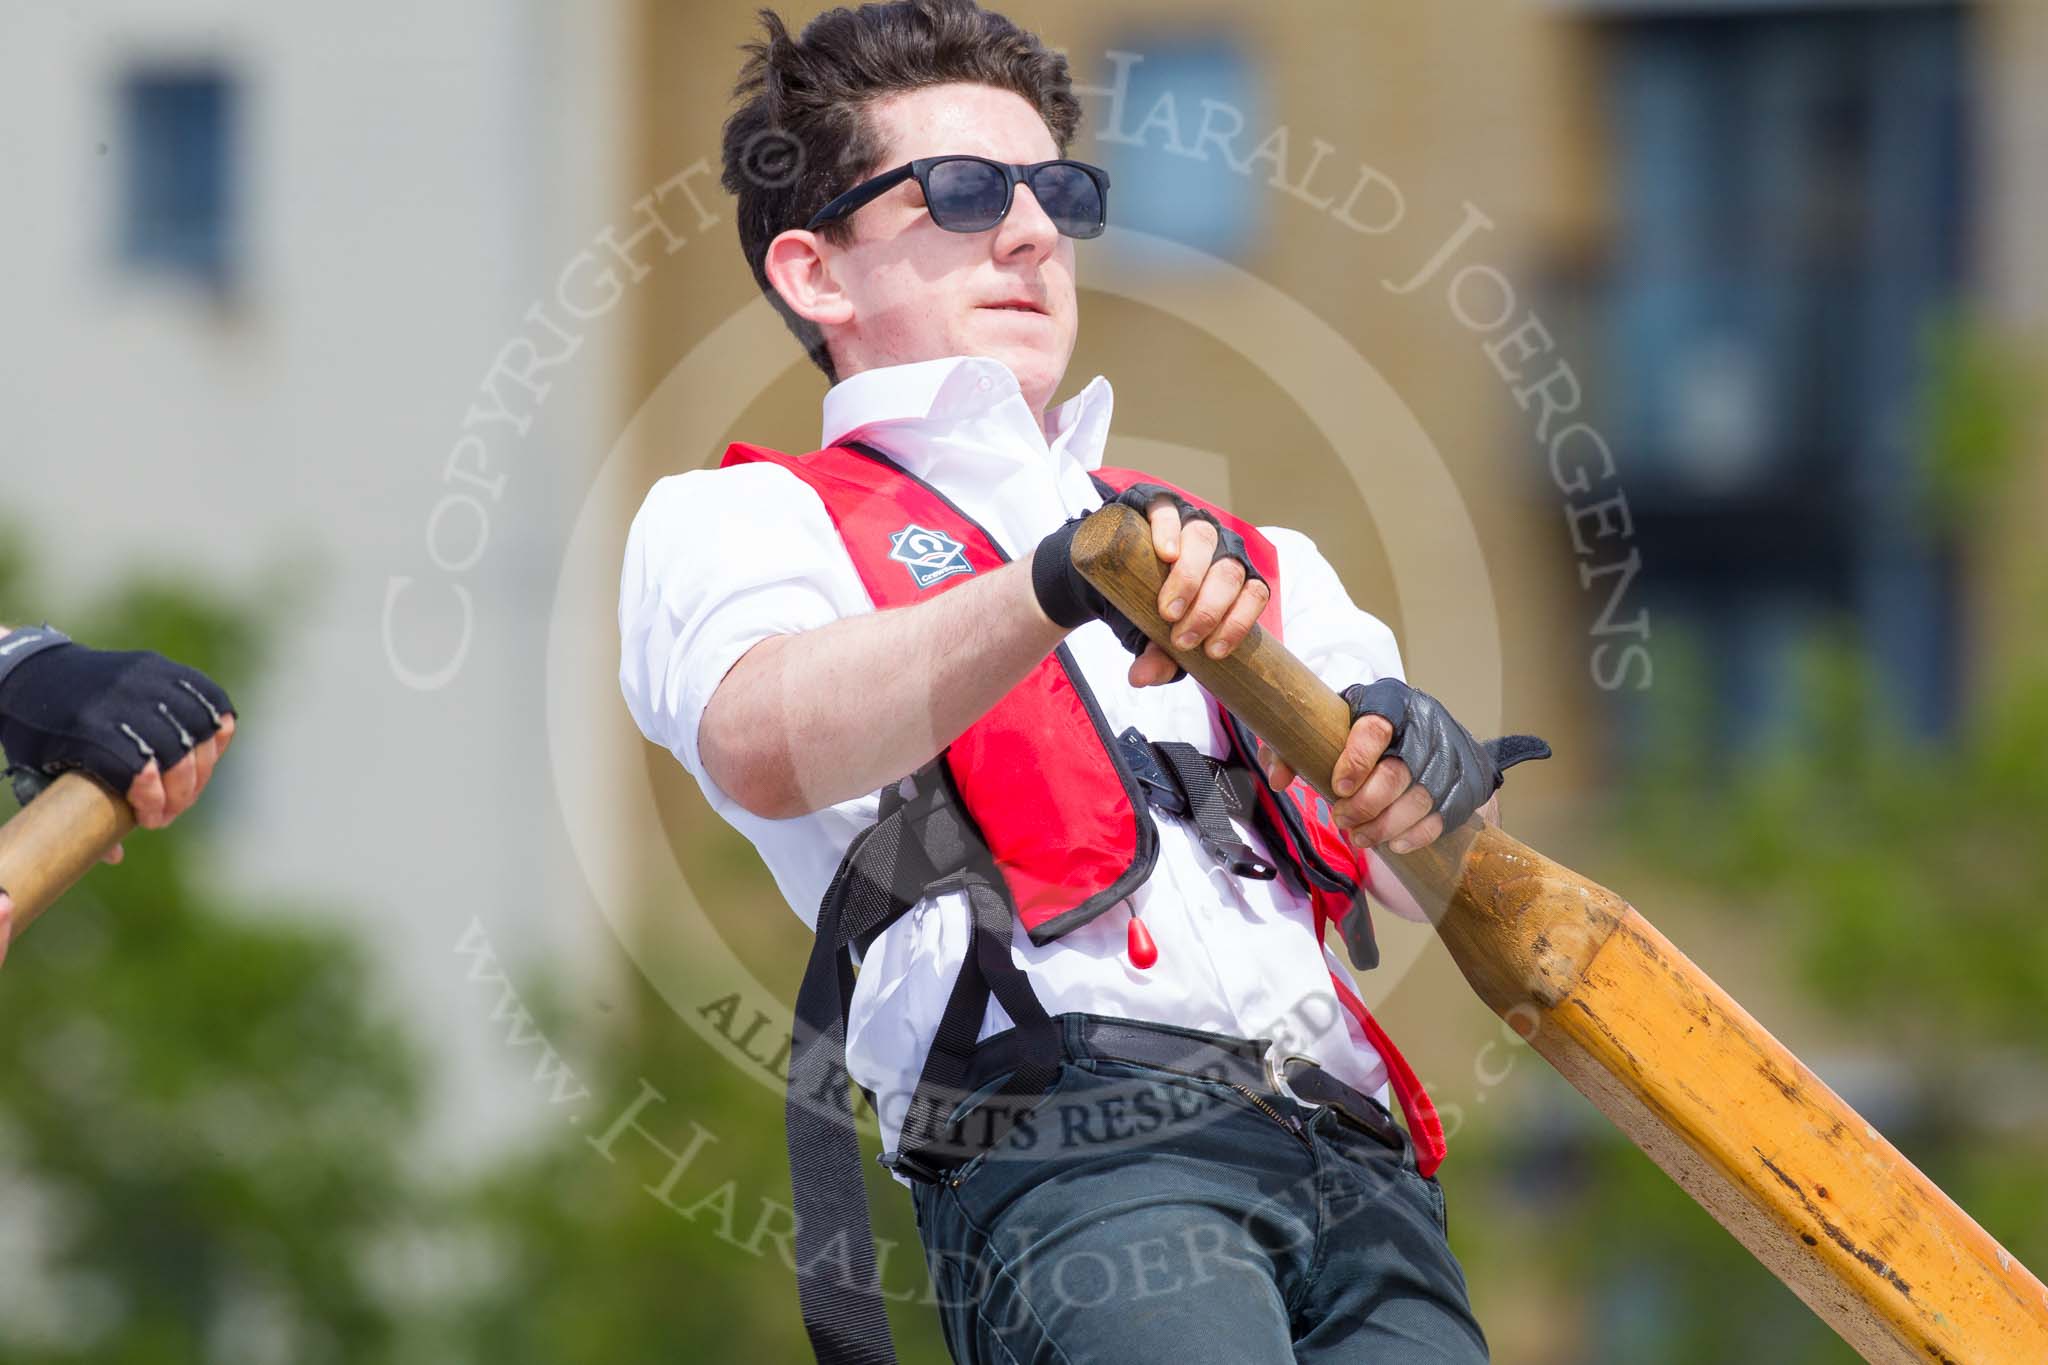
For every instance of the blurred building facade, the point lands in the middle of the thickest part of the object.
(263, 262)
(1804, 222)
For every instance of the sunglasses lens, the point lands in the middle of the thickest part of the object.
(1070, 197)
(967, 196)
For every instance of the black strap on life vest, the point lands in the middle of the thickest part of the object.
(922, 844)
(927, 1144)
(1181, 780)
(1305, 870)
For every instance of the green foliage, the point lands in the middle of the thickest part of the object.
(1903, 875)
(1979, 399)
(594, 1262)
(1897, 883)
(204, 1129)
(1667, 1285)
(202, 1124)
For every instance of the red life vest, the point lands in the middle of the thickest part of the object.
(1065, 821)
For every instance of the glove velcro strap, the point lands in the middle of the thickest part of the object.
(1509, 750)
(26, 643)
(1063, 595)
(1457, 771)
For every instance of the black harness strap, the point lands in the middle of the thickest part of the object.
(1181, 780)
(1213, 797)
(927, 1144)
(836, 1279)
(921, 844)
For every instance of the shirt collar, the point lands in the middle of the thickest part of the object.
(917, 398)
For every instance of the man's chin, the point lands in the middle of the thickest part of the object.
(1037, 373)
(1037, 368)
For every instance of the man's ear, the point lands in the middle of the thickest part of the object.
(801, 272)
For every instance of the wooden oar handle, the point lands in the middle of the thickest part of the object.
(1298, 715)
(1263, 684)
(55, 840)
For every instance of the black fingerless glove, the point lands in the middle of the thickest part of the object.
(1457, 771)
(1070, 600)
(108, 712)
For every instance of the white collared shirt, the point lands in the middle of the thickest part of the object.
(700, 588)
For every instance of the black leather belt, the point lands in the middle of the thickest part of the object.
(1214, 1056)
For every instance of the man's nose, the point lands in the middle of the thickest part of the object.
(1027, 229)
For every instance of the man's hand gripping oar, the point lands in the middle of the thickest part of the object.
(79, 725)
(1777, 1158)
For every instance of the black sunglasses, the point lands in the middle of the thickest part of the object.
(973, 194)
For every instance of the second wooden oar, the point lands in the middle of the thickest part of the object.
(54, 840)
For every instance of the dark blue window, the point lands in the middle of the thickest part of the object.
(1788, 230)
(176, 158)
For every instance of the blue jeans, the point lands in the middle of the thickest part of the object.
(1142, 1215)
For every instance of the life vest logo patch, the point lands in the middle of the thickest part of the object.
(929, 555)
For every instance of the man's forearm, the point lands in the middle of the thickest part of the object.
(805, 721)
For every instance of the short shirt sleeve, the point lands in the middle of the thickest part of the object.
(717, 561)
(1323, 627)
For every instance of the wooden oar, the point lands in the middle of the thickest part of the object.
(55, 840)
(1775, 1156)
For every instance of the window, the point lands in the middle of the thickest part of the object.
(1788, 205)
(1165, 179)
(177, 191)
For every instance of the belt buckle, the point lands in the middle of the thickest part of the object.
(1276, 1077)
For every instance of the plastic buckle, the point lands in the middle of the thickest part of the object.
(1240, 859)
(896, 1163)
(1163, 790)
(1160, 788)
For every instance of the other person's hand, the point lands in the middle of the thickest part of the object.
(148, 728)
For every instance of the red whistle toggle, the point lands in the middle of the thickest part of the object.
(1144, 952)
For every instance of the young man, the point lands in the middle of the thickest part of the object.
(1109, 1161)
(150, 729)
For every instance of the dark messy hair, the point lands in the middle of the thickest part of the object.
(801, 137)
